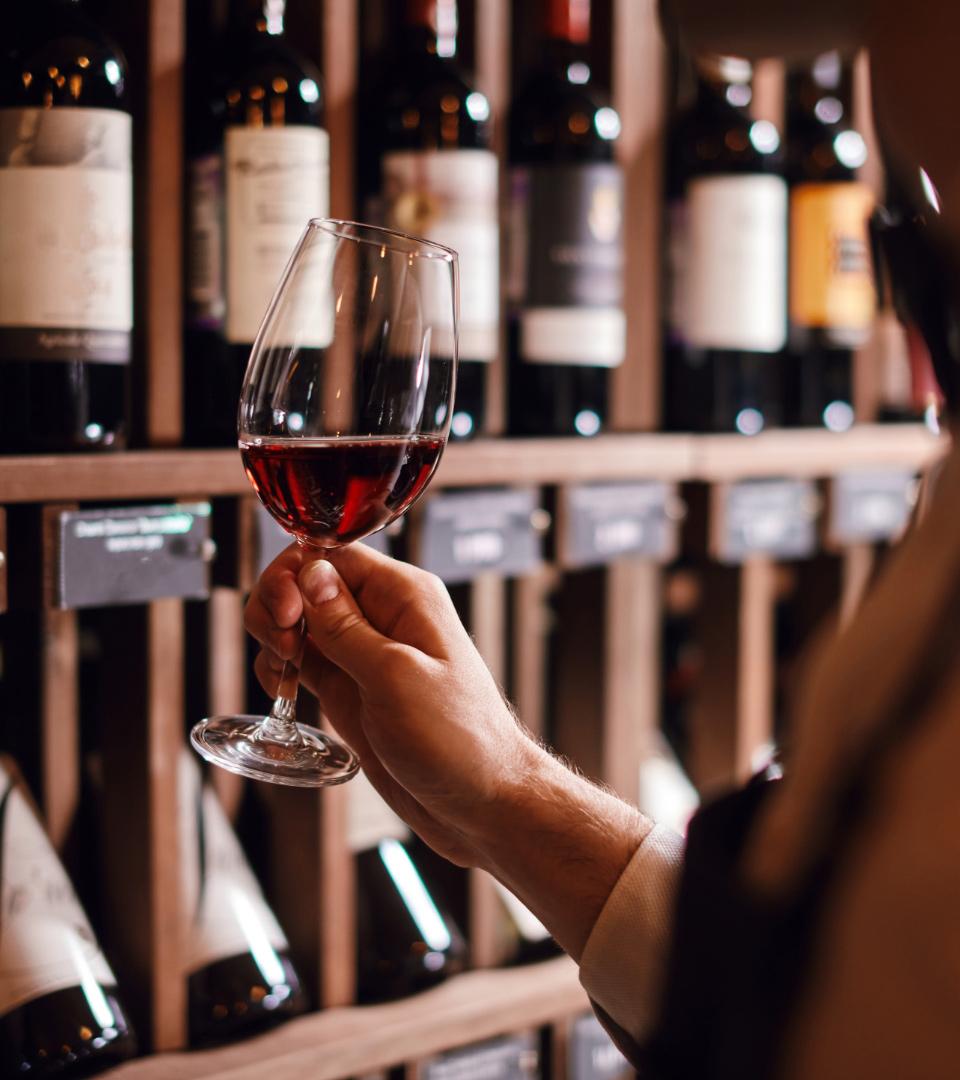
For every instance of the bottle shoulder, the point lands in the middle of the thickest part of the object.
(816, 151)
(707, 141)
(553, 119)
(265, 83)
(432, 105)
(62, 58)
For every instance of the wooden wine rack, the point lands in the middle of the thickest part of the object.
(311, 885)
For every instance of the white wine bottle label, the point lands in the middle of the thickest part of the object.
(566, 263)
(736, 272)
(225, 910)
(66, 235)
(276, 180)
(450, 197)
(46, 943)
(206, 303)
(369, 819)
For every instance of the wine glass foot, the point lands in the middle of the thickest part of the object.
(235, 744)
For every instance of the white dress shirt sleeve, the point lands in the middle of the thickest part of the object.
(625, 957)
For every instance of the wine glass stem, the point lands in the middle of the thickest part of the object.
(280, 726)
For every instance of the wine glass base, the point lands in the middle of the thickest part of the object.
(237, 744)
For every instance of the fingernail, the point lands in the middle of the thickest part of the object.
(319, 582)
(274, 662)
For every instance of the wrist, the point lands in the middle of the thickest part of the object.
(559, 842)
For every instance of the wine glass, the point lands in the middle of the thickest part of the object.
(344, 413)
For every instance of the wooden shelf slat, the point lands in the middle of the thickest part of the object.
(357, 1041)
(141, 474)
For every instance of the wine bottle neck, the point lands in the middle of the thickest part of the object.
(567, 21)
(258, 16)
(433, 26)
(821, 92)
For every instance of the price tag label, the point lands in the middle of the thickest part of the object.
(133, 555)
(765, 517)
(469, 533)
(513, 1057)
(602, 522)
(592, 1054)
(272, 539)
(866, 507)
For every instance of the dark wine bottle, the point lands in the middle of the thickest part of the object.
(831, 286)
(59, 1010)
(565, 278)
(258, 171)
(237, 959)
(438, 179)
(407, 940)
(66, 248)
(727, 293)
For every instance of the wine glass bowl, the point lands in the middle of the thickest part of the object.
(344, 413)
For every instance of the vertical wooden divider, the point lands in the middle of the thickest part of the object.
(732, 711)
(493, 78)
(631, 711)
(227, 666)
(488, 609)
(529, 670)
(142, 737)
(638, 91)
(59, 694)
(163, 191)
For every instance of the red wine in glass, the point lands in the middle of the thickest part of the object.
(329, 492)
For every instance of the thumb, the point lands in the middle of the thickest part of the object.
(336, 624)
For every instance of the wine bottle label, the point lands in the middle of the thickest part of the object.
(450, 197)
(225, 910)
(895, 389)
(276, 180)
(736, 276)
(46, 943)
(206, 304)
(830, 280)
(369, 819)
(566, 263)
(66, 235)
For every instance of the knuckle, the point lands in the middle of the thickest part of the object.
(343, 624)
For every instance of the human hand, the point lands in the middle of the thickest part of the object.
(401, 681)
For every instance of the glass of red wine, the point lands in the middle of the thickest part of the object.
(344, 413)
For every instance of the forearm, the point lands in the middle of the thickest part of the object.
(559, 843)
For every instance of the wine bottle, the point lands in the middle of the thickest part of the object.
(831, 286)
(407, 940)
(529, 940)
(728, 297)
(258, 171)
(59, 1010)
(438, 179)
(237, 959)
(66, 220)
(565, 278)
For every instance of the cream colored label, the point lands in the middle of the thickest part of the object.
(831, 285)
(450, 197)
(224, 908)
(277, 179)
(66, 225)
(46, 942)
(736, 274)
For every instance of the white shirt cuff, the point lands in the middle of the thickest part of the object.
(625, 956)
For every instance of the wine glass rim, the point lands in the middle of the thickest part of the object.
(380, 236)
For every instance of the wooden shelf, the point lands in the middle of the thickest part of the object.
(141, 474)
(364, 1039)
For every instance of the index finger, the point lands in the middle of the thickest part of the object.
(277, 588)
